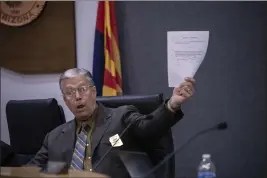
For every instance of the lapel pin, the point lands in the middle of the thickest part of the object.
(115, 141)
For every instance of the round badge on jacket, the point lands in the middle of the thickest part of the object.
(19, 13)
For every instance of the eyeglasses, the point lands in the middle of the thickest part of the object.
(72, 91)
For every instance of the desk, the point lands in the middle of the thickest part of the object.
(33, 172)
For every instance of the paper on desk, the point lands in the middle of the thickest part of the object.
(186, 51)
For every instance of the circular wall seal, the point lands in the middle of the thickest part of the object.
(19, 13)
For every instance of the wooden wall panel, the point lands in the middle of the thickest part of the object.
(47, 45)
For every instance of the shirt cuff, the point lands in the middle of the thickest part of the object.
(170, 108)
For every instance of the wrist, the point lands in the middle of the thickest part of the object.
(173, 107)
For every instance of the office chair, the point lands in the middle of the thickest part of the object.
(28, 123)
(147, 104)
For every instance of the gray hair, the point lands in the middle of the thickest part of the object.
(70, 73)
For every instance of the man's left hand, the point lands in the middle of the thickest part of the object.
(182, 93)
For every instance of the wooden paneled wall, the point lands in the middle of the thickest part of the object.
(46, 45)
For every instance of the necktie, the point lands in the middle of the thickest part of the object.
(79, 151)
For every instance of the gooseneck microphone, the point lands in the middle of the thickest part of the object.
(220, 126)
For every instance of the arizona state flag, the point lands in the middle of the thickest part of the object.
(106, 62)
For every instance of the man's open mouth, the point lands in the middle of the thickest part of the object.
(80, 106)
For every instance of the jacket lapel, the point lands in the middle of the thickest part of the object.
(68, 140)
(102, 124)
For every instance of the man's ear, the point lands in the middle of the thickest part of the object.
(67, 102)
(94, 92)
(65, 99)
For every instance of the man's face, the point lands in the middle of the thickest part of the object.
(80, 96)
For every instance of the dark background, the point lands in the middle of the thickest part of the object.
(231, 82)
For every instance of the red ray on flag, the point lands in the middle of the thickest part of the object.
(106, 63)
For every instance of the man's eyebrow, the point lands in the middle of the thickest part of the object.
(80, 84)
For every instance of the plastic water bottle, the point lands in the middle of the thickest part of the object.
(206, 168)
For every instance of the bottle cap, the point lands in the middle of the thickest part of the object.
(206, 156)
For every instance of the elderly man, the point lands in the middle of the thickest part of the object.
(82, 142)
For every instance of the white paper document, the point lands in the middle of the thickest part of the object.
(186, 52)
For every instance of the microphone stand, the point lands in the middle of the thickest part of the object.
(220, 126)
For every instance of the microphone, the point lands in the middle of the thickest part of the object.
(109, 149)
(220, 126)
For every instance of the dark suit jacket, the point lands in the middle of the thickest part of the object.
(58, 145)
(6, 154)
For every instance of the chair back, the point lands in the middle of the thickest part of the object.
(30, 120)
